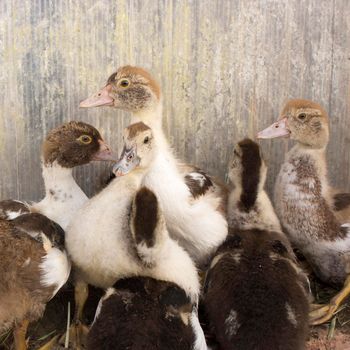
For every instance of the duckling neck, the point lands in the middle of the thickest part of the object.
(151, 116)
(260, 213)
(63, 196)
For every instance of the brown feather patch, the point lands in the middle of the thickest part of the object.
(251, 163)
(198, 183)
(134, 129)
(341, 201)
(145, 216)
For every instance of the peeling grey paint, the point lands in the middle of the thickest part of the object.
(226, 68)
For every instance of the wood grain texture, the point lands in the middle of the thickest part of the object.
(226, 68)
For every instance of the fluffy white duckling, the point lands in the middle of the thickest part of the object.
(304, 200)
(156, 309)
(255, 296)
(197, 222)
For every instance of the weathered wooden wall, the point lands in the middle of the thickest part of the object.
(226, 68)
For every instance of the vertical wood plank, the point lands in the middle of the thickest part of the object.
(226, 68)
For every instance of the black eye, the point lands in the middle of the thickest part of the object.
(146, 140)
(130, 157)
(302, 116)
(124, 83)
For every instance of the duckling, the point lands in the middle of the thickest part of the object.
(33, 267)
(197, 222)
(67, 146)
(157, 308)
(134, 90)
(255, 296)
(305, 201)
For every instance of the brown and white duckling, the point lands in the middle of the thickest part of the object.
(69, 145)
(134, 90)
(304, 199)
(157, 308)
(255, 296)
(33, 267)
(197, 222)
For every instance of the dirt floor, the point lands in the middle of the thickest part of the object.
(334, 335)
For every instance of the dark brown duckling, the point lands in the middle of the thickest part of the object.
(255, 296)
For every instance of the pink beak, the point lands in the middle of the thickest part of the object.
(104, 152)
(101, 98)
(278, 129)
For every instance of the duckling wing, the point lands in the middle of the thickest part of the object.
(341, 203)
(10, 209)
(20, 259)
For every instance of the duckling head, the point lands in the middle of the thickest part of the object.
(247, 171)
(138, 151)
(73, 144)
(302, 120)
(130, 88)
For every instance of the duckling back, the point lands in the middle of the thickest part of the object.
(255, 296)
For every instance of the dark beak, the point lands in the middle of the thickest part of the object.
(127, 162)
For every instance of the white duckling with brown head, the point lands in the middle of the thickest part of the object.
(304, 200)
(197, 222)
(65, 147)
(134, 90)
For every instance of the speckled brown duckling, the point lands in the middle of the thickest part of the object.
(33, 267)
(157, 309)
(306, 203)
(255, 296)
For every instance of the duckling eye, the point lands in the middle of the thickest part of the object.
(124, 83)
(130, 157)
(146, 140)
(85, 139)
(302, 116)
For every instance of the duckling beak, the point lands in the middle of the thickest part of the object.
(100, 98)
(127, 162)
(104, 152)
(278, 129)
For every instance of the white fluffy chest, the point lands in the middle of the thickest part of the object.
(98, 238)
(197, 224)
